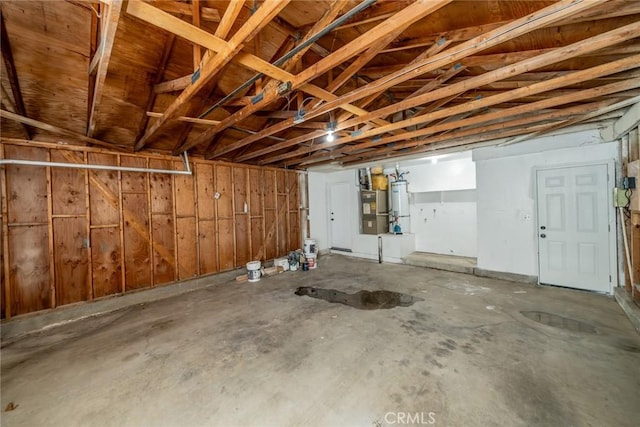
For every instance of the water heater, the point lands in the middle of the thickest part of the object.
(400, 207)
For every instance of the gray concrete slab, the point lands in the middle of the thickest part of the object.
(256, 354)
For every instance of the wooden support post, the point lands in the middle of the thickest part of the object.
(8, 299)
(121, 214)
(90, 291)
(52, 263)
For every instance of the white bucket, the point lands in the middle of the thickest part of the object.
(312, 260)
(309, 246)
(253, 271)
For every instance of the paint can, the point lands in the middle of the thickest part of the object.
(253, 271)
(281, 262)
(312, 260)
(309, 246)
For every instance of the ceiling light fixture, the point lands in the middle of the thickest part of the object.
(331, 128)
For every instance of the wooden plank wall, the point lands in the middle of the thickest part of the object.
(72, 235)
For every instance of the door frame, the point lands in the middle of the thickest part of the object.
(611, 212)
(329, 205)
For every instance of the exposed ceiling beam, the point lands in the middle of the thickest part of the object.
(585, 95)
(213, 62)
(12, 75)
(180, 8)
(513, 29)
(231, 13)
(518, 27)
(342, 118)
(533, 117)
(60, 131)
(108, 36)
(557, 55)
(622, 126)
(187, 31)
(162, 66)
(544, 86)
(402, 19)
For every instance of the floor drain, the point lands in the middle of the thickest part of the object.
(559, 322)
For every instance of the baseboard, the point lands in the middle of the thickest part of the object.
(628, 306)
(501, 275)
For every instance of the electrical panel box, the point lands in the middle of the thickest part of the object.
(629, 182)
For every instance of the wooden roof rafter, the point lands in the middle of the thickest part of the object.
(12, 75)
(556, 55)
(405, 17)
(103, 53)
(583, 95)
(554, 13)
(212, 62)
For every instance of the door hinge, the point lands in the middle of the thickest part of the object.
(609, 278)
(609, 227)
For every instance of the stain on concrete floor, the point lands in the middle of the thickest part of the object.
(363, 300)
(561, 322)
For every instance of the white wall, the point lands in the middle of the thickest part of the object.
(443, 204)
(443, 209)
(507, 235)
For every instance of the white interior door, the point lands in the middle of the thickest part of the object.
(339, 216)
(573, 227)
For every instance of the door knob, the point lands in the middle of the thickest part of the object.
(543, 236)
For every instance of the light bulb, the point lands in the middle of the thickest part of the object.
(330, 136)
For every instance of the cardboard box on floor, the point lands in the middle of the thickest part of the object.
(633, 169)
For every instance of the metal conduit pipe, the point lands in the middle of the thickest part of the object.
(185, 160)
(359, 8)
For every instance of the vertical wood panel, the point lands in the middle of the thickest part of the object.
(270, 215)
(270, 189)
(208, 252)
(271, 243)
(242, 240)
(206, 190)
(29, 266)
(71, 260)
(225, 189)
(256, 195)
(2, 287)
(103, 191)
(163, 230)
(208, 256)
(136, 243)
(257, 239)
(282, 230)
(162, 223)
(4, 241)
(26, 186)
(133, 182)
(161, 197)
(114, 232)
(226, 244)
(105, 256)
(187, 262)
(185, 202)
(240, 184)
(67, 184)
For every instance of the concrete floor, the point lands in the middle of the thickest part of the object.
(256, 354)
